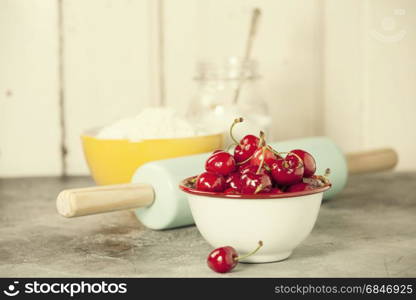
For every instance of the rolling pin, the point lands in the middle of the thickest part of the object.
(159, 204)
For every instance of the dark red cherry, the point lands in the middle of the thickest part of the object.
(233, 181)
(252, 169)
(246, 148)
(269, 156)
(250, 139)
(220, 162)
(287, 171)
(309, 163)
(276, 190)
(242, 166)
(299, 187)
(224, 259)
(210, 182)
(253, 183)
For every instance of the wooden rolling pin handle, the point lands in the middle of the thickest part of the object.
(371, 161)
(100, 199)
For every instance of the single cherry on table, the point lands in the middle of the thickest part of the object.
(224, 259)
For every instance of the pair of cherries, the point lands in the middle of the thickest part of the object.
(255, 167)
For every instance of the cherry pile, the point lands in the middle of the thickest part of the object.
(255, 167)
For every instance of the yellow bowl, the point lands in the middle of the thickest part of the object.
(115, 161)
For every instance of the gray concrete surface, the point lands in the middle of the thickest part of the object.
(368, 230)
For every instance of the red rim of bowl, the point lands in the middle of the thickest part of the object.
(192, 191)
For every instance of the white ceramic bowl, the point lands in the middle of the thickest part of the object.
(281, 221)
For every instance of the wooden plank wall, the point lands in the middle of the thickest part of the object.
(369, 75)
(108, 64)
(29, 120)
(342, 68)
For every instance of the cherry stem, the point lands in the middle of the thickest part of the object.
(263, 156)
(285, 164)
(297, 156)
(251, 253)
(323, 178)
(244, 161)
(236, 121)
(191, 182)
(258, 189)
(327, 172)
(262, 141)
(274, 151)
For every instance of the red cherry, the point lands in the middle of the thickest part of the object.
(273, 191)
(220, 162)
(255, 183)
(210, 182)
(249, 139)
(246, 148)
(252, 169)
(308, 162)
(233, 181)
(242, 166)
(276, 190)
(224, 259)
(287, 171)
(299, 187)
(269, 156)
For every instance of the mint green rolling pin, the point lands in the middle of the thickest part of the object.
(159, 204)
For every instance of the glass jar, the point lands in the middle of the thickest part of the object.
(216, 103)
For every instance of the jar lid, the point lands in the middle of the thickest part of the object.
(231, 68)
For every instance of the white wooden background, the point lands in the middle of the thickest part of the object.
(343, 68)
